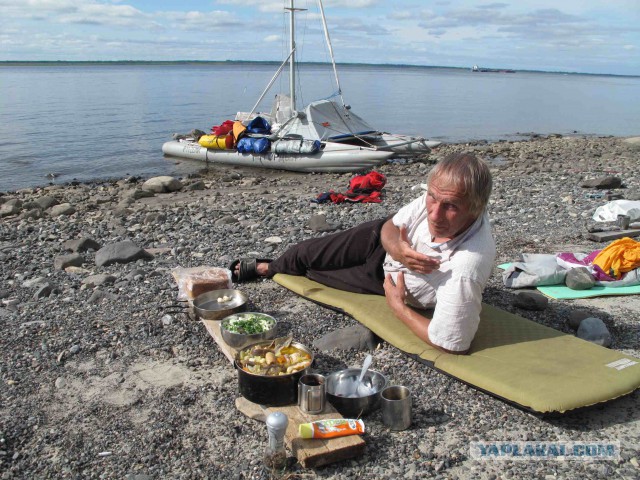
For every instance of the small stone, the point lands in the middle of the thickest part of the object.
(603, 182)
(318, 223)
(43, 292)
(7, 210)
(98, 280)
(576, 316)
(46, 202)
(62, 209)
(121, 252)
(72, 260)
(595, 331)
(60, 383)
(273, 240)
(226, 220)
(74, 349)
(530, 301)
(81, 245)
(162, 184)
(167, 320)
(199, 185)
(356, 337)
(99, 296)
(579, 279)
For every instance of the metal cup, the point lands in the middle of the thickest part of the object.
(624, 221)
(396, 407)
(311, 393)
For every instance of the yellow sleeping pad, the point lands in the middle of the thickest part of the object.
(514, 359)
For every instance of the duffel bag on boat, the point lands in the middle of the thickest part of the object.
(253, 145)
(216, 142)
(222, 129)
(296, 146)
(259, 125)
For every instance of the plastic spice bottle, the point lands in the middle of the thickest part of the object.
(275, 456)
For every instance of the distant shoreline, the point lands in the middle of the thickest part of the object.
(49, 63)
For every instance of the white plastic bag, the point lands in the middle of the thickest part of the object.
(610, 211)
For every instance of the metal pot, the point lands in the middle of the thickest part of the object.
(207, 307)
(274, 390)
(354, 407)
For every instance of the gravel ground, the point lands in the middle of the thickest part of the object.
(98, 382)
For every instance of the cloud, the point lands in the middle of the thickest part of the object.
(201, 21)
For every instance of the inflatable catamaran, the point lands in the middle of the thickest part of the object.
(324, 136)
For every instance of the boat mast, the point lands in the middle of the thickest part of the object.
(333, 60)
(292, 58)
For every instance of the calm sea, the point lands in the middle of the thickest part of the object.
(100, 121)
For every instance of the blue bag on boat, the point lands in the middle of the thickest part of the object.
(245, 145)
(261, 145)
(259, 125)
(253, 145)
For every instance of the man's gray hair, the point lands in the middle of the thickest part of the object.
(468, 174)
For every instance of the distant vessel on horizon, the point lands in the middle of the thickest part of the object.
(476, 68)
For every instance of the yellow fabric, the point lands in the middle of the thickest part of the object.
(515, 359)
(213, 141)
(238, 130)
(619, 257)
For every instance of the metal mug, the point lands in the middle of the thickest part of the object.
(312, 393)
(624, 221)
(396, 407)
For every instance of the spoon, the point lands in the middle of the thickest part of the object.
(360, 390)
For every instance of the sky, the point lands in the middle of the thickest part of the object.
(586, 36)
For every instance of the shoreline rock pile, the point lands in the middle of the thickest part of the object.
(98, 381)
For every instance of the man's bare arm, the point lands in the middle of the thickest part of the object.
(396, 243)
(395, 295)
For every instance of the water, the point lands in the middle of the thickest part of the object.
(105, 121)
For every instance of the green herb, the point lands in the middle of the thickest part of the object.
(248, 324)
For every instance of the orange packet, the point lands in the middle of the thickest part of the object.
(330, 428)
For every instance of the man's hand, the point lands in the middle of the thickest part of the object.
(395, 292)
(397, 244)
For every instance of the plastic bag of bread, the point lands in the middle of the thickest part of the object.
(196, 280)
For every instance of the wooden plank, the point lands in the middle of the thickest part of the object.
(615, 235)
(309, 452)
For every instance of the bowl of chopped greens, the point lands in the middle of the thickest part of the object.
(242, 329)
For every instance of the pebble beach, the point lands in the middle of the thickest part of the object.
(97, 381)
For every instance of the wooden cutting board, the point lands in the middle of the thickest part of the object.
(309, 452)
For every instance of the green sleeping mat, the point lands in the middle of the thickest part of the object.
(522, 362)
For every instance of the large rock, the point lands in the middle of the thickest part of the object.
(579, 279)
(163, 184)
(603, 182)
(594, 330)
(357, 337)
(121, 252)
(530, 301)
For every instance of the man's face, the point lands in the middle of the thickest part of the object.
(448, 211)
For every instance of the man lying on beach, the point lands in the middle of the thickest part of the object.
(436, 252)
